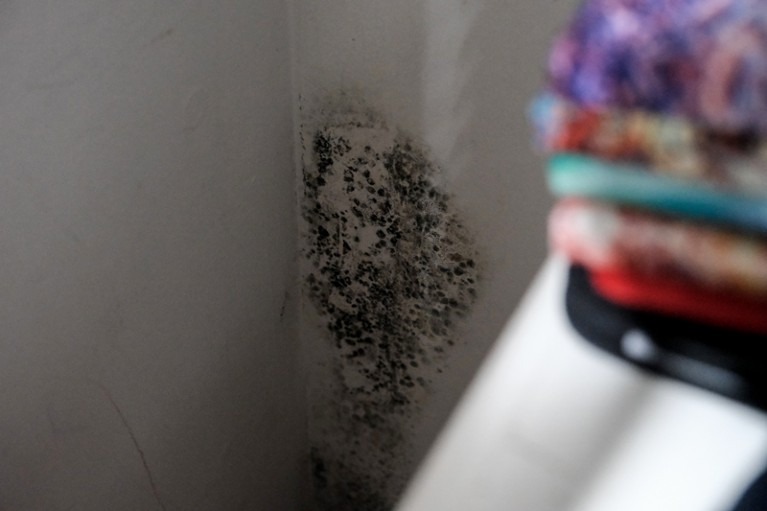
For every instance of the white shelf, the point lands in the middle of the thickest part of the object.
(552, 423)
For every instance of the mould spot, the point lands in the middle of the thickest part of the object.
(390, 270)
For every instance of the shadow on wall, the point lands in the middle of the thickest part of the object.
(147, 243)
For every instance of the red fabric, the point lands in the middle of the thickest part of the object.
(680, 298)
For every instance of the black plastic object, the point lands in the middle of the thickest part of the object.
(729, 362)
(755, 497)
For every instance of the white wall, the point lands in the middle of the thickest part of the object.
(147, 257)
(147, 232)
(457, 76)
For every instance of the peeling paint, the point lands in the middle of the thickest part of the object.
(390, 270)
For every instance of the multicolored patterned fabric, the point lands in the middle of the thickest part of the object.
(667, 145)
(682, 299)
(705, 60)
(633, 184)
(607, 237)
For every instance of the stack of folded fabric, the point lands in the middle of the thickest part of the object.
(655, 122)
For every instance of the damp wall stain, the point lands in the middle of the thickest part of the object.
(390, 271)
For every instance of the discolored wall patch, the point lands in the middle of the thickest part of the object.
(390, 270)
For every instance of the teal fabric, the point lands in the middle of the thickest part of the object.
(575, 174)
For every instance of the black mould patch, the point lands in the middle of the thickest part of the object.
(391, 271)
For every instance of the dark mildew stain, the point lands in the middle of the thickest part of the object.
(391, 271)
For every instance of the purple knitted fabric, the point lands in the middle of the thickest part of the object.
(702, 59)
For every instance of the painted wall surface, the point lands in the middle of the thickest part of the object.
(445, 83)
(148, 355)
(147, 236)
